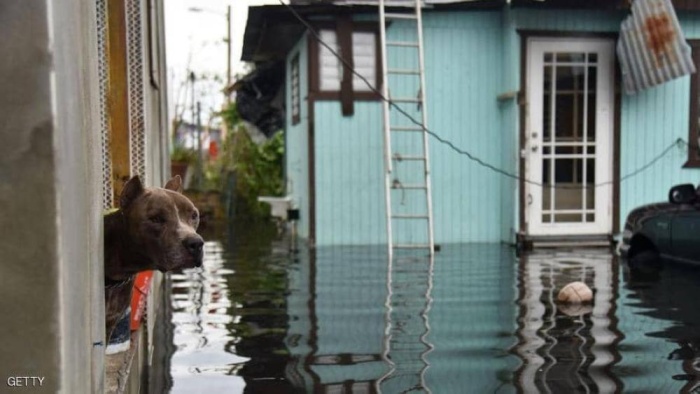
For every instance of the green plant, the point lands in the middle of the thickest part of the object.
(182, 154)
(230, 116)
(257, 168)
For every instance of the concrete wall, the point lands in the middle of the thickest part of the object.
(50, 220)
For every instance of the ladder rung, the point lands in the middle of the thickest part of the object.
(398, 157)
(405, 100)
(406, 128)
(421, 185)
(411, 246)
(402, 44)
(391, 15)
(403, 72)
(400, 186)
(405, 216)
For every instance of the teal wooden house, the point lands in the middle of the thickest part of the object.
(532, 89)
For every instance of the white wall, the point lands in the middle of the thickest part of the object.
(50, 217)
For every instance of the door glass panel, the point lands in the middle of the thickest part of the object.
(591, 109)
(590, 98)
(567, 218)
(569, 150)
(568, 157)
(546, 104)
(590, 184)
(568, 192)
(569, 112)
(571, 57)
(563, 147)
(546, 190)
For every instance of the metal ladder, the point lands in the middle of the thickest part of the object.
(403, 127)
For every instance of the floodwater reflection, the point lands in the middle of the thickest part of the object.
(476, 319)
(566, 348)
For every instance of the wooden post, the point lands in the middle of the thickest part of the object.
(117, 95)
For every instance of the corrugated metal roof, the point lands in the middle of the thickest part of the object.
(652, 48)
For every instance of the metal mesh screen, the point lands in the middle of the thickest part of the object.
(103, 74)
(135, 64)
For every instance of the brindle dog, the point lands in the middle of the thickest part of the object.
(153, 229)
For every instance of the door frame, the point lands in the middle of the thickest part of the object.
(525, 36)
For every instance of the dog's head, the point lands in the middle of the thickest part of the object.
(162, 224)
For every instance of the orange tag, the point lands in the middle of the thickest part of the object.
(139, 296)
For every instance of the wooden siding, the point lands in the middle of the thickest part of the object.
(462, 107)
(509, 108)
(471, 59)
(296, 139)
(349, 175)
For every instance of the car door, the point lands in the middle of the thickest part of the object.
(685, 234)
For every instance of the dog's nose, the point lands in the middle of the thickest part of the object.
(194, 245)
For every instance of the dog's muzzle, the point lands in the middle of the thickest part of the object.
(194, 246)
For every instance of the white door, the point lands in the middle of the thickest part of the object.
(568, 136)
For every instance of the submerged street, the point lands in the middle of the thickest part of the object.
(258, 318)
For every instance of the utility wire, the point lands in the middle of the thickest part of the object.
(463, 152)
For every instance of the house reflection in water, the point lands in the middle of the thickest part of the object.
(340, 319)
(567, 348)
(661, 320)
(411, 325)
(406, 342)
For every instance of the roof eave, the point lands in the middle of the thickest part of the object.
(274, 19)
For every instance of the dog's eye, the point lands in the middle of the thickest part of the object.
(195, 215)
(157, 219)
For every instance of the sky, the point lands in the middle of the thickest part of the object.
(195, 42)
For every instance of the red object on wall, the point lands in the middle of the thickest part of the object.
(213, 150)
(139, 296)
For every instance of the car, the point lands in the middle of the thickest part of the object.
(664, 232)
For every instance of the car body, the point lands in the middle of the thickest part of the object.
(668, 231)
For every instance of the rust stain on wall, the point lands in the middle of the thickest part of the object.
(659, 37)
(652, 48)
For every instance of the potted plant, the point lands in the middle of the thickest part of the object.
(180, 159)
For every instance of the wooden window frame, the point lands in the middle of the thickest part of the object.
(694, 118)
(296, 118)
(315, 91)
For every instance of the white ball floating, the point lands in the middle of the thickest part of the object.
(575, 293)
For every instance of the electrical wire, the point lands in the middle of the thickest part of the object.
(464, 152)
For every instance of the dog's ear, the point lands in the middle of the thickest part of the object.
(174, 184)
(132, 189)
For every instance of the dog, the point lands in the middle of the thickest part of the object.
(154, 228)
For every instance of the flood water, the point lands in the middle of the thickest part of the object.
(259, 319)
